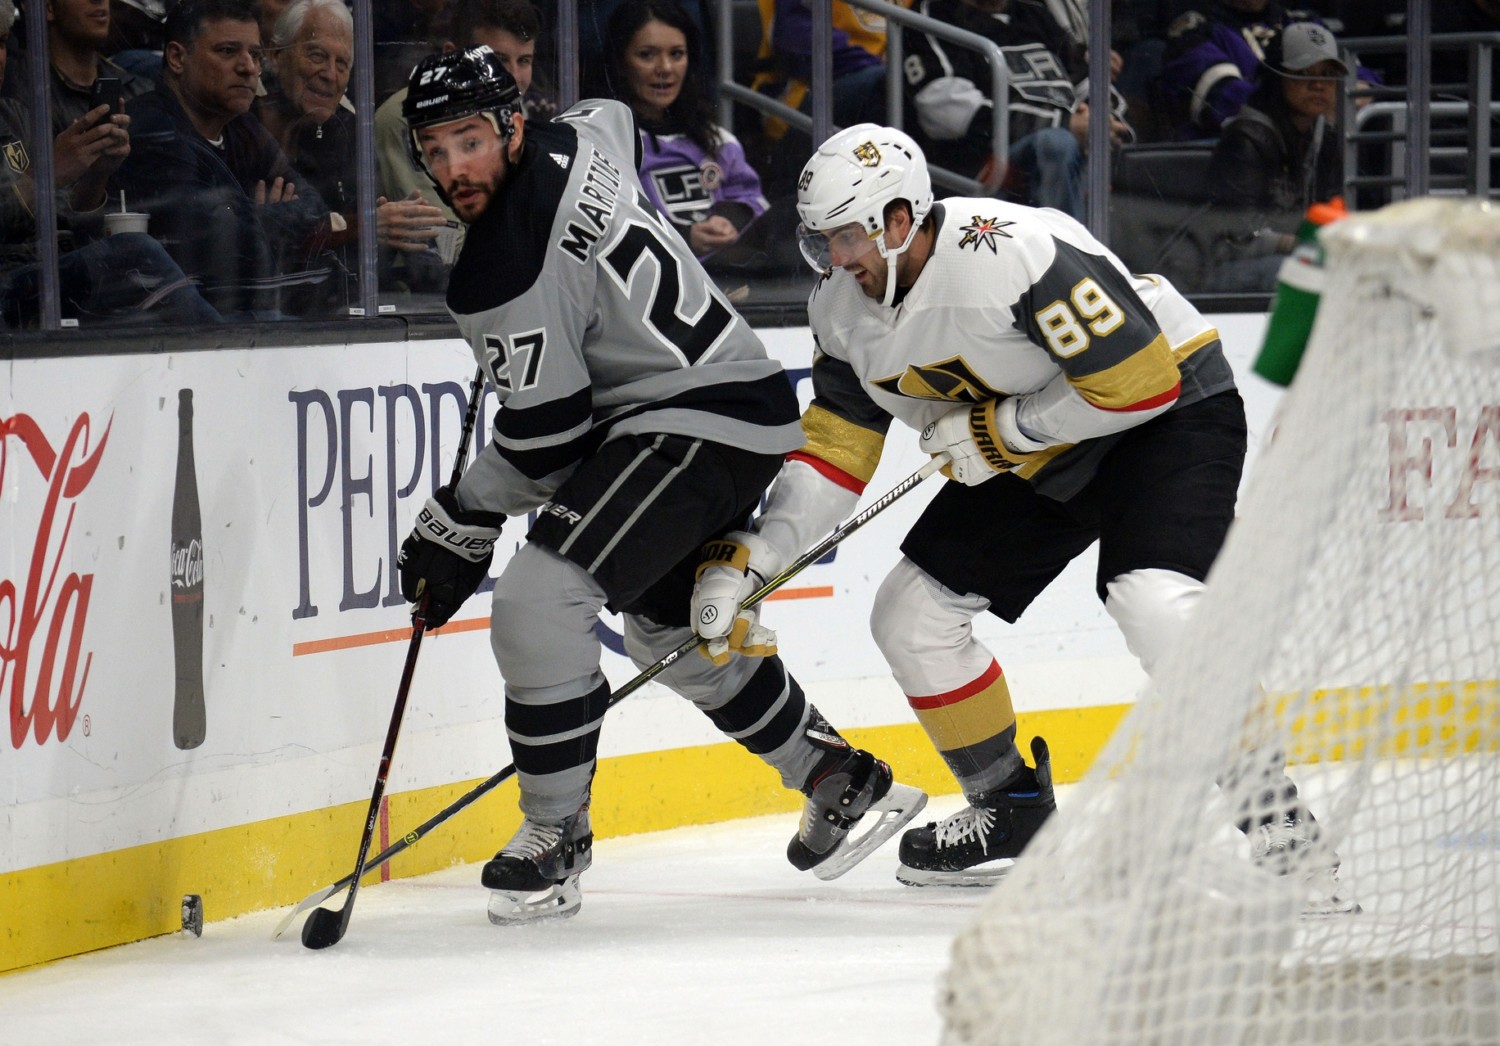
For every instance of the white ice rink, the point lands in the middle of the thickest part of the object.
(700, 935)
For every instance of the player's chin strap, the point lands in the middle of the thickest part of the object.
(891, 256)
(801, 563)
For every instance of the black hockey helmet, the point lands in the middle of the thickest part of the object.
(447, 87)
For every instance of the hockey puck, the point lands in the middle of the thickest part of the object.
(192, 914)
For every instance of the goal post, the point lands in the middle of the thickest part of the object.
(1350, 637)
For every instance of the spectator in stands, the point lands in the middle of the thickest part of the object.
(510, 28)
(948, 89)
(1281, 154)
(694, 170)
(220, 191)
(1214, 57)
(121, 276)
(858, 61)
(1137, 42)
(135, 25)
(77, 32)
(595, 44)
(313, 53)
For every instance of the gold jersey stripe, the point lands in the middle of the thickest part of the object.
(843, 444)
(1192, 345)
(976, 718)
(1142, 377)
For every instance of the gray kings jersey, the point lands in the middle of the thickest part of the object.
(592, 319)
(1013, 301)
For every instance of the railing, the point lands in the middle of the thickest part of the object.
(1413, 140)
(900, 17)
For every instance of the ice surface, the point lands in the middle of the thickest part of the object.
(697, 935)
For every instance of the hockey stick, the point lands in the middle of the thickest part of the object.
(325, 927)
(800, 564)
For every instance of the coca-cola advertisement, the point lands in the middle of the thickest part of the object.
(45, 658)
(189, 717)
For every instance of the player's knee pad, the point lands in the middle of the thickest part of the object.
(1151, 606)
(542, 620)
(925, 631)
(696, 678)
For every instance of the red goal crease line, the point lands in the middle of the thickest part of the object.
(475, 624)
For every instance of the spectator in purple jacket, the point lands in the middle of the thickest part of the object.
(694, 171)
(1214, 57)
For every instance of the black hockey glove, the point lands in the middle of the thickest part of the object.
(447, 555)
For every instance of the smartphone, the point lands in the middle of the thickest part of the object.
(106, 92)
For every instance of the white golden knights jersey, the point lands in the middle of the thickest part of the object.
(592, 319)
(1013, 301)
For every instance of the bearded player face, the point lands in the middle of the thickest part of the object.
(470, 160)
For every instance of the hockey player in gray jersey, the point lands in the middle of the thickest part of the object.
(640, 418)
(1078, 403)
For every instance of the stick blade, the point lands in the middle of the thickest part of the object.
(325, 927)
(307, 902)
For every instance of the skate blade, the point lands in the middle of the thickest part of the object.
(897, 807)
(986, 875)
(507, 908)
(1329, 897)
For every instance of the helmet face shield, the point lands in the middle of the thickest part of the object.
(846, 245)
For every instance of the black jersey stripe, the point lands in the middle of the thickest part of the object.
(545, 421)
(768, 401)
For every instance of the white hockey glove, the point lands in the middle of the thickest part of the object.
(982, 441)
(732, 569)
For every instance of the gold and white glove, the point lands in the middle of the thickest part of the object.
(982, 441)
(733, 568)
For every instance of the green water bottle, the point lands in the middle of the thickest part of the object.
(1299, 284)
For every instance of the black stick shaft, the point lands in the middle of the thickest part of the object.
(325, 927)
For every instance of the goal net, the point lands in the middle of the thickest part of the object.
(1349, 642)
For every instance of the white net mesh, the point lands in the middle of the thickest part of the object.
(1350, 634)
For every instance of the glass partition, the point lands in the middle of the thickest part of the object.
(128, 208)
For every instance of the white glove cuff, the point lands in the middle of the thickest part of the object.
(1009, 429)
(765, 559)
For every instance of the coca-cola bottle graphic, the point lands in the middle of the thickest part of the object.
(189, 720)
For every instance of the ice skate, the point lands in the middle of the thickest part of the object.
(1293, 846)
(853, 805)
(977, 845)
(535, 875)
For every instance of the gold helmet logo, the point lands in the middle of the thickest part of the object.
(867, 154)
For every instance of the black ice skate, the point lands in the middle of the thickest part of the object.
(1285, 838)
(535, 875)
(977, 845)
(1293, 845)
(844, 789)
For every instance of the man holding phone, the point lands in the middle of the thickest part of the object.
(82, 80)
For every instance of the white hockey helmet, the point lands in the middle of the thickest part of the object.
(851, 179)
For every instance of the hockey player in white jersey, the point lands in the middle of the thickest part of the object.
(639, 418)
(1078, 402)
